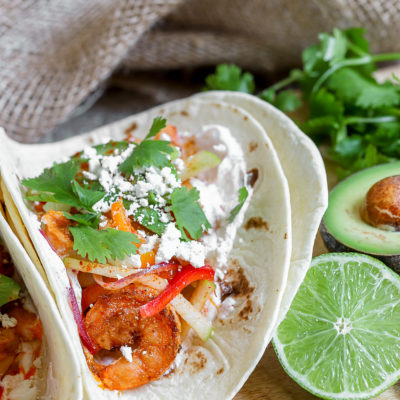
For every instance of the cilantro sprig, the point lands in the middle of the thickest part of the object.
(104, 244)
(188, 214)
(357, 116)
(156, 153)
(230, 77)
(57, 184)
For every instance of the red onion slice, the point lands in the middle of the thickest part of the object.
(121, 283)
(87, 341)
(47, 240)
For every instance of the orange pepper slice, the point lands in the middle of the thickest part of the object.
(119, 218)
(148, 259)
(172, 132)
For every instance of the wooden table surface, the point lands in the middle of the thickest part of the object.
(269, 381)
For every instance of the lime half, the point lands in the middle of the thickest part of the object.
(341, 336)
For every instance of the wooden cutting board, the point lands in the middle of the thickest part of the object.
(269, 381)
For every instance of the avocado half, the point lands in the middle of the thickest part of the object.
(342, 227)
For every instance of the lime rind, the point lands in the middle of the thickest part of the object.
(373, 331)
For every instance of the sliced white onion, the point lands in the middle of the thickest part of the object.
(110, 271)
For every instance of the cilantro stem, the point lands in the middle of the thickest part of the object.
(284, 82)
(356, 49)
(385, 57)
(353, 62)
(372, 120)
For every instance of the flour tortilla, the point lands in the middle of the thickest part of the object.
(59, 369)
(218, 368)
(305, 172)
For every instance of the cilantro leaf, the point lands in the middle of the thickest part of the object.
(351, 86)
(109, 147)
(326, 116)
(148, 153)
(102, 245)
(9, 290)
(287, 100)
(89, 219)
(243, 194)
(157, 125)
(149, 218)
(333, 47)
(87, 197)
(55, 182)
(188, 214)
(230, 77)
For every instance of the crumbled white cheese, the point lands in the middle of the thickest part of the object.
(7, 322)
(142, 188)
(127, 353)
(179, 164)
(220, 148)
(135, 259)
(170, 246)
(156, 181)
(211, 201)
(164, 136)
(164, 218)
(103, 221)
(219, 191)
(133, 208)
(169, 177)
(150, 244)
(89, 175)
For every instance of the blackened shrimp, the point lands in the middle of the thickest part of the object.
(114, 321)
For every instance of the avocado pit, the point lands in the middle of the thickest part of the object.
(381, 207)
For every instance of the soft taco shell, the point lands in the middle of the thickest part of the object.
(258, 264)
(60, 375)
(305, 172)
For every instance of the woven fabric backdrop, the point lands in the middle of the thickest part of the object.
(54, 54)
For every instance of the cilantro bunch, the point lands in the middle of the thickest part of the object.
(349, 110)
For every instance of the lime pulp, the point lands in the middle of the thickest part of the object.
(341, 337)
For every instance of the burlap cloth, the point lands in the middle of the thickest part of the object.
(56, 53)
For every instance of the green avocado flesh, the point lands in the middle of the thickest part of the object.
(342, 219)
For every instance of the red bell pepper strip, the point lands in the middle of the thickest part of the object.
(183, 278)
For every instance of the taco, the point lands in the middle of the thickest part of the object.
(304, 169)
(35, 353)
(167, 246)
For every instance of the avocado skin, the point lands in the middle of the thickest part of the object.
(333, 245)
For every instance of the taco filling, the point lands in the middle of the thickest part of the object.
(20, 335)
(144, 228)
